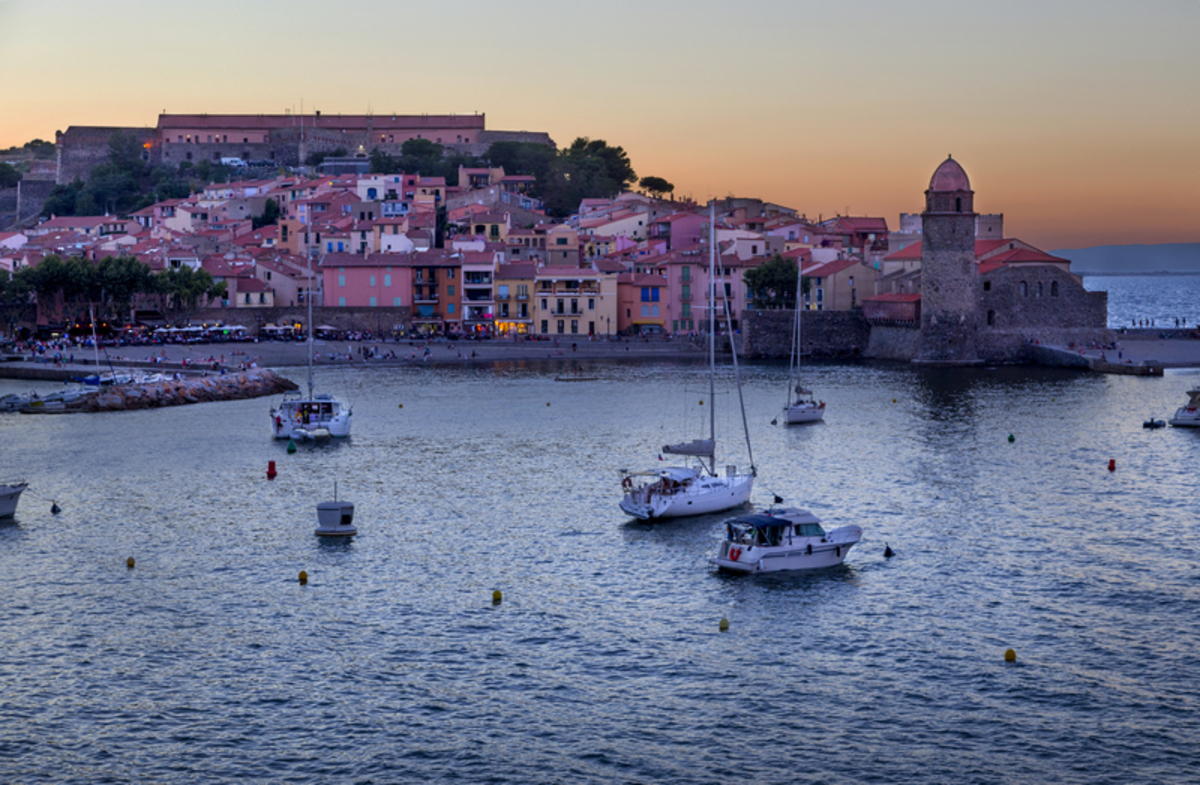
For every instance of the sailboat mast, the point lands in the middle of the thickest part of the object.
(712, 326)
(310, 327)
(794, 366)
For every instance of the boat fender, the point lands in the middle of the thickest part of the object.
(627, 483)
(809, 549)
(735, 554)
(837, 551)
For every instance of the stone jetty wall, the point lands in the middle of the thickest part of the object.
(230, 387)
(767, 334)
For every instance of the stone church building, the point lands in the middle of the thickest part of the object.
(979, 301)
(962, 299)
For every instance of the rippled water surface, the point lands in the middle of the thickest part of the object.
(208, 662)
(1160, 299)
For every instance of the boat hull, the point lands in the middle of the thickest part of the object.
(10, 494)
(803, 413)
(1186, 418)
(829, 552)
(711, 494)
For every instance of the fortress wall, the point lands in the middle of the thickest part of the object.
(825, 333)
(82, 147)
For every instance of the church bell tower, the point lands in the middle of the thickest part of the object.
(950, 286)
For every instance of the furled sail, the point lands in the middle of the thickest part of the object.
(697, 447)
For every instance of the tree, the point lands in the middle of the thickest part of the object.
(183, 288)
(383, 163)
(423, 156)
(616, 162)
(318, 158)
(773, 284)
(9, 176)
(523, 158)
(269, 217)
(656, 186)
(41, 149)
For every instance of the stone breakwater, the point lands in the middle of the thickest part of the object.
(151, 395)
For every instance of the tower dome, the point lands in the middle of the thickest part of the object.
(949, 177)
(949, 190)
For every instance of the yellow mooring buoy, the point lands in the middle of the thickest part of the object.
(724, 625)
(303, 577)
(497, 597)
(401, 406)
(129, 562)
(1010, 656)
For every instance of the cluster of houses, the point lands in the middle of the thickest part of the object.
(495, 264)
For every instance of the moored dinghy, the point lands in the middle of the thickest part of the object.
(783, 538)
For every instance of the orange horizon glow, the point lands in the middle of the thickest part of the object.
(1078, 123)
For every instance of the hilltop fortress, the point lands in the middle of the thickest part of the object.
(286, 139)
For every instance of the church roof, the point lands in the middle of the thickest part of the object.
(949, 177)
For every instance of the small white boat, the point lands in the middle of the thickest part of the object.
(803, 408)
(335, 519)
(304, 418)
(800, 406)
(10, 494)
(783, 538)
(13, 402)
(1188, 415)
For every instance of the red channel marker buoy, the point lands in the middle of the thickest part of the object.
(1112, 465)
(271, 470)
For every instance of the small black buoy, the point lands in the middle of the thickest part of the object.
(778, 499)
(54, 508)
(887, 551)
(775, 421)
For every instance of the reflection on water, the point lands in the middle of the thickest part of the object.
(208, 661)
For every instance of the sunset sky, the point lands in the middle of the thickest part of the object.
(1080, 121)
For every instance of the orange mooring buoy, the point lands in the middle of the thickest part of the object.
(271, 470)
(1112, 464)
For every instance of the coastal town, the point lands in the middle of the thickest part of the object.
(407, 255)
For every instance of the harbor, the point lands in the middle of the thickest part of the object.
(471, 478)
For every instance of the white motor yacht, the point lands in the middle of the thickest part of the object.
(1188, 415)
(783, 538)
(10, 494)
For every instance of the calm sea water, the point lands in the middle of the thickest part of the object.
(207, 662)
(1161, 298)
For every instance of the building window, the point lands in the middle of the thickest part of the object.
(591, 303)
(341, 281)
(1054, 288)
(654, 310)
(373, 303)
(545, 326)
(987, 286)
(396, 302)
(341, 302)
(686, 311)
(387, 280)
(991, 318)
(685, 273)
(1024, 289)
(450, 291)
(544, 306)
(450, 309)
(560, 327)
(645, 310)
(686, 290)
(1039, 289)
(372, 280)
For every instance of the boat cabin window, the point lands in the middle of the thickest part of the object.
(809, 530)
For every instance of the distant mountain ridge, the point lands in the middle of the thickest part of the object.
(1143, 259)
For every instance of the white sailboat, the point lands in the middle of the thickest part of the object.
(801, 407)
(317, 416)
(678, 491)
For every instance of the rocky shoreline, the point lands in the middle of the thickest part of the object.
(173, 392)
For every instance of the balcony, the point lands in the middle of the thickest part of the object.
(425, 298)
